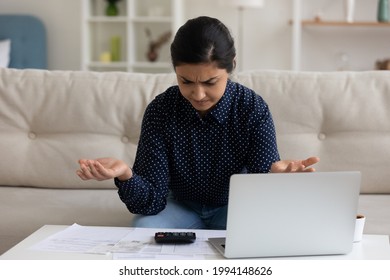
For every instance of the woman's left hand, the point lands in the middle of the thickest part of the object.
(294, 165)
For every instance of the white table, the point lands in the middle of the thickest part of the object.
(372, 247)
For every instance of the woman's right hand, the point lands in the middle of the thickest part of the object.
(103, 169)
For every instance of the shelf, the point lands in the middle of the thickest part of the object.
(152, 19)
(139, 22)
(152, 64)
(344, 23)
(326, 41)
(141, 64)
(107, 19)
(107, 64)
(134, 19)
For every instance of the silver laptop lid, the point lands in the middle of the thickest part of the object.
(291, 214)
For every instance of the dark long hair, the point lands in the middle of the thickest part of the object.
(204, 40)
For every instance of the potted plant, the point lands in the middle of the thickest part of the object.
(112, 8)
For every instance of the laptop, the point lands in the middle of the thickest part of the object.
(290, 214)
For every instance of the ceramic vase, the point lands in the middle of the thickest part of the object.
(383, 11)
(115, 48)
(349, 10)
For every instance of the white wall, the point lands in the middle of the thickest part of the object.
(324, 47)
(266, 36)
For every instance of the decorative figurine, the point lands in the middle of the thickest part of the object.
(155, 45)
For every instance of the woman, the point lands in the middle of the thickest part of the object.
(194, 136)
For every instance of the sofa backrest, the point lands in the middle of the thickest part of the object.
(50, 119)
(342, 117)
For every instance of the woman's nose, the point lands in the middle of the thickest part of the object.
(198, 93)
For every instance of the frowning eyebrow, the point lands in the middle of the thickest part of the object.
(203, 82)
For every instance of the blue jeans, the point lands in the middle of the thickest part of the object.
(179, 214)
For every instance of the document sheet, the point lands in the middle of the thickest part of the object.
(127, 243)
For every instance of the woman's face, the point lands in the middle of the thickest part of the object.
(202, 85)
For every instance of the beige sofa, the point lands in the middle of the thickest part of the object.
(50, 119)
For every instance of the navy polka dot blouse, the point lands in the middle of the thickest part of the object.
(194, 157)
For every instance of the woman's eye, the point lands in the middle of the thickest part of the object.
(208, 84)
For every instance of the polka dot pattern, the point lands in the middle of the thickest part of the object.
(194, 157)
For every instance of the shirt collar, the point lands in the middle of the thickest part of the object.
(221, 110)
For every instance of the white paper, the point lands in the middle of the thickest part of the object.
(127, 243)
(151, 250)
(81, 239)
